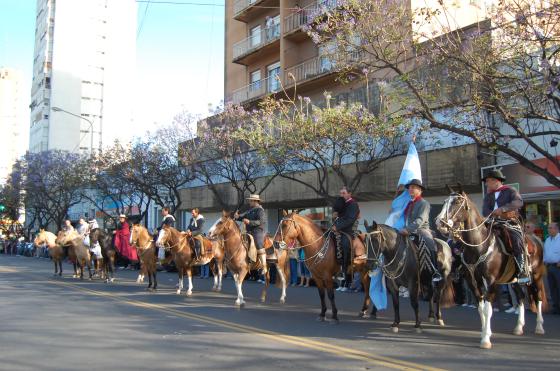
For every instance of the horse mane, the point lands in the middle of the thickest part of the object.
(472, 205)
(310, 222)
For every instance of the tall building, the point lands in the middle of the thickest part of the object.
(12, 120)
(82, 89)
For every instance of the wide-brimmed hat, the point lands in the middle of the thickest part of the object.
(122, 216)
(496, 174)
(416, 182)
(254, 198)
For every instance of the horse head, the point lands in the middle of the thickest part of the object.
(135, 232)
(287, 231)
(454, 212)
(223, 226)
(164, 236)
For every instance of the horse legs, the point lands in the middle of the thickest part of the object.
(283, 280)
(266, 275)
(60, 267)
(367, 300)
(214, 268)
(518, 330)
(334, 310)
(436, 300)
(180, 283)
(88, 263)
(149, 281)
(413, 289)
(111, 264)
(238, 278)
(154, 274)
(394, 290)
(485, 311)
(75, 264)
(55, 268)
(189, 276)
(321, 290)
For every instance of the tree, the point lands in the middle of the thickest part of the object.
(340, 145)
(53, 184)
(11, 194)
(218, 156)
(496, 82)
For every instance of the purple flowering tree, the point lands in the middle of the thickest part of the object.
(496, 82)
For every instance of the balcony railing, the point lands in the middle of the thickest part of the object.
(257, 89)
(306, 15)
(240, 5)
(256, 41)
(309, 69)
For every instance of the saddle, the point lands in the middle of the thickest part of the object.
(356, 253)
(249, 244)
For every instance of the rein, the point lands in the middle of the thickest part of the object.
(399, 270)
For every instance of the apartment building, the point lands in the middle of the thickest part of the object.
(83, 73)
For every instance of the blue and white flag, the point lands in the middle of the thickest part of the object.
(411, 170)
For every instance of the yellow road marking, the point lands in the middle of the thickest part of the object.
(271, 335)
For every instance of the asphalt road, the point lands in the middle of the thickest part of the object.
(51, 323)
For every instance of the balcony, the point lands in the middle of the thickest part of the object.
(257, 90)
(309, 70)
(268, 39)
(245, 10)
(294, 22)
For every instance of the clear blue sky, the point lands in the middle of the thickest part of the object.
(179, 54)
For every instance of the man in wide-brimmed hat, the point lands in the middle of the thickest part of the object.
(254, 220)
(503, 202)
(417, 218)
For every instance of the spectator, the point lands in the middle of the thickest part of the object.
(67, 226)
(552, 261)
(293, 254)
(205, 271)
(304, 272)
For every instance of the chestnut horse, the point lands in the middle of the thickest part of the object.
(236, 257)
(56, 252)
(320, 257)
(146, 249)
(182, 251)
(488, 264)
(77, 251)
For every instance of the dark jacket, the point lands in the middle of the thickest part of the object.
(418, 217)
(348, 217)
(195, 225)
(168, 220)
(256, 219)
(509, 200)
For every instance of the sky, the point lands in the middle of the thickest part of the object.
(179, 55)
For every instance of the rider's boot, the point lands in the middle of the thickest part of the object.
(522, 275)
(436, 277)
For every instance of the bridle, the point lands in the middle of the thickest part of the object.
(400, 268)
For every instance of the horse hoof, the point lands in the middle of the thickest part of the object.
(363, 314)
(395, 329)
(334, 321)
(189, 293)
(418, 330)
(178, 292)
(321, 319)
(112, 280)
(539, 331)
(440, 322)
(282, 301)
(486, 345)
(517, 331)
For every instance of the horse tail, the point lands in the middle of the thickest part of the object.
(448, 293)
(538, 278)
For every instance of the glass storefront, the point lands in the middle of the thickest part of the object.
(541, 213)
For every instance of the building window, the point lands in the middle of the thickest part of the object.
(273, 74)
(255, 80)
(255, 36)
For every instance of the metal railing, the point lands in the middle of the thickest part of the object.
(309, 69)
(306, 15)
(256, 41)
(257, 89)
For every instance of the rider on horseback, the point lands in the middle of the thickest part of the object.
(194, 230)
(503, 203)
(346, 222)
(168, 220)
(254, 220)
(417, 214)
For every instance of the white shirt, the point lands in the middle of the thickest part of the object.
(552, 249)
(496, 195)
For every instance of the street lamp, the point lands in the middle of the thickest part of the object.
(58, 109)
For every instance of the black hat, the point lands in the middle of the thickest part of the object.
(416, 182)
(496, 174)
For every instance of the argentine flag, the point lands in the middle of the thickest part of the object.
(411, 170)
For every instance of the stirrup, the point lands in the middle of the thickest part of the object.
(436, 277)
(523, 279)
(340, 276)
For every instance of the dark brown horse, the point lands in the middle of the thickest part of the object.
(146, 249)
(320, 256)
(236, 257)
(108, 252)
(488, 263)
(401, 268)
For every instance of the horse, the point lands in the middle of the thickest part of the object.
(237, 261)
(320, 257)
(108, 252)
(77, 251)
(56, 252)
(182, 250)
(402, 268)
(487, 263)
(145, 246)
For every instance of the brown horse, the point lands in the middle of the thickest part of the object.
(320, 257)
(56, 252)
(237, 261)
(146, 249)
(487, 262)
(182, 251)
(77, 252)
